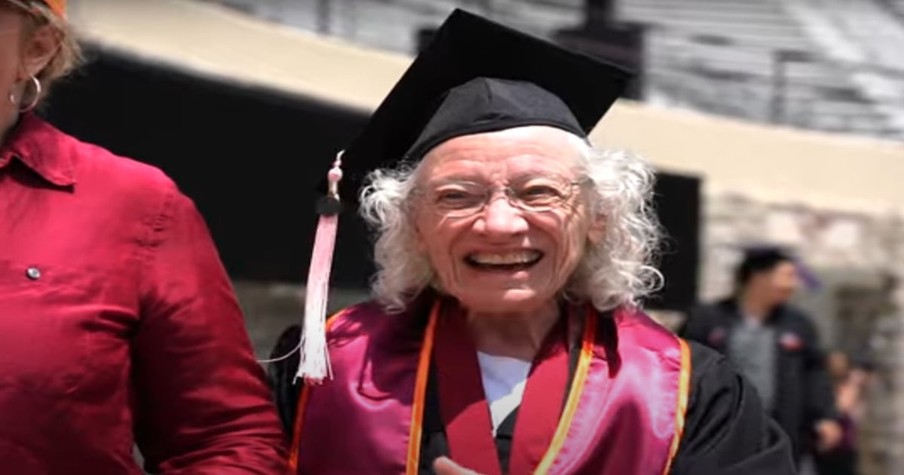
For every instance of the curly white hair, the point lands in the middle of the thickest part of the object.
(616, 271)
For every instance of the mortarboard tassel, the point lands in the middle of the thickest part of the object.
(314, 364)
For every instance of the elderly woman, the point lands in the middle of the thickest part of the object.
(117, 322)
(506, 334)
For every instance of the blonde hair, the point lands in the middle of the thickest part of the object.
(69, 54)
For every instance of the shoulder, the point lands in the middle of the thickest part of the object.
(641, 341)
(796, 319)
(706, 362)
(714, 380)
(361, 313)
(354, 316)
(348, 322)
(124, 180)
(129, 199)
(726, 427)
(796, 315)
(93, 162)
(636, 327)
(372, 320)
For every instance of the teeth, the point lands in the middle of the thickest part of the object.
(508, 258)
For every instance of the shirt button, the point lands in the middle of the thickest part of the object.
(33, 273)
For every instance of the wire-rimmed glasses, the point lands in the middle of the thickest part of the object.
(533, 194)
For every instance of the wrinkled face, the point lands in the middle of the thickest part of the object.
(779, 284)
(503, 217)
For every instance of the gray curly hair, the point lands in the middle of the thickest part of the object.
(616, 271)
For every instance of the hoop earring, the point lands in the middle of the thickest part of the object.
(37, 96)
(34, 100)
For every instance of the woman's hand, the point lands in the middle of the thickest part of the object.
(445, 466)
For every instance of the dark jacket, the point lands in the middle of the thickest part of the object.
(803, 391)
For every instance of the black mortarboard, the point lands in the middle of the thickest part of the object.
(478, 76)
(475, 76)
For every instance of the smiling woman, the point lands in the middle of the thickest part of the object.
(615, 266)
(507, 334)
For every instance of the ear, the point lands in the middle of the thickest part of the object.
(38, 48)
(597, 230)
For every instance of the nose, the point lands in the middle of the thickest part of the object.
(501, 219)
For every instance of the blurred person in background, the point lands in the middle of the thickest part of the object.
(850, 380)
(118, 324)
(774, 345)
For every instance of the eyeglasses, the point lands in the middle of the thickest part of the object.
(462, 199)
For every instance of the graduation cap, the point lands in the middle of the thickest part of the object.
(479, 76)
(475, 76)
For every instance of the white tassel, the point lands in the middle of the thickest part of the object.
(314, 364)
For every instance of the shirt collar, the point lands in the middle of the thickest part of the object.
(37, 144)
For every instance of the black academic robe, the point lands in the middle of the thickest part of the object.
(726, 430)
(803, 393)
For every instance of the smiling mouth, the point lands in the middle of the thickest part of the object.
(503, 262)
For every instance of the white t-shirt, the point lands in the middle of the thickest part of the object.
(504, 379)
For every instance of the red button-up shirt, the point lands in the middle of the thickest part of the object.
(118, 324)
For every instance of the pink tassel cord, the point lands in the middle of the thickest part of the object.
(314, 364)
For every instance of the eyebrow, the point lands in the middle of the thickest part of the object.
(472, 178)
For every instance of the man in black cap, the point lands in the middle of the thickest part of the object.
(506, 334)
(774, 345)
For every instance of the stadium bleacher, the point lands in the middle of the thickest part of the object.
(756, 60)
(804, 63)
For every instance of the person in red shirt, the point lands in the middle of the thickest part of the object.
(118, 324)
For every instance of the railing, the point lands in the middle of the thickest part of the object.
(787, 87)
(710, 73)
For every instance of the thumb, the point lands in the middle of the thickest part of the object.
(445, 466)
